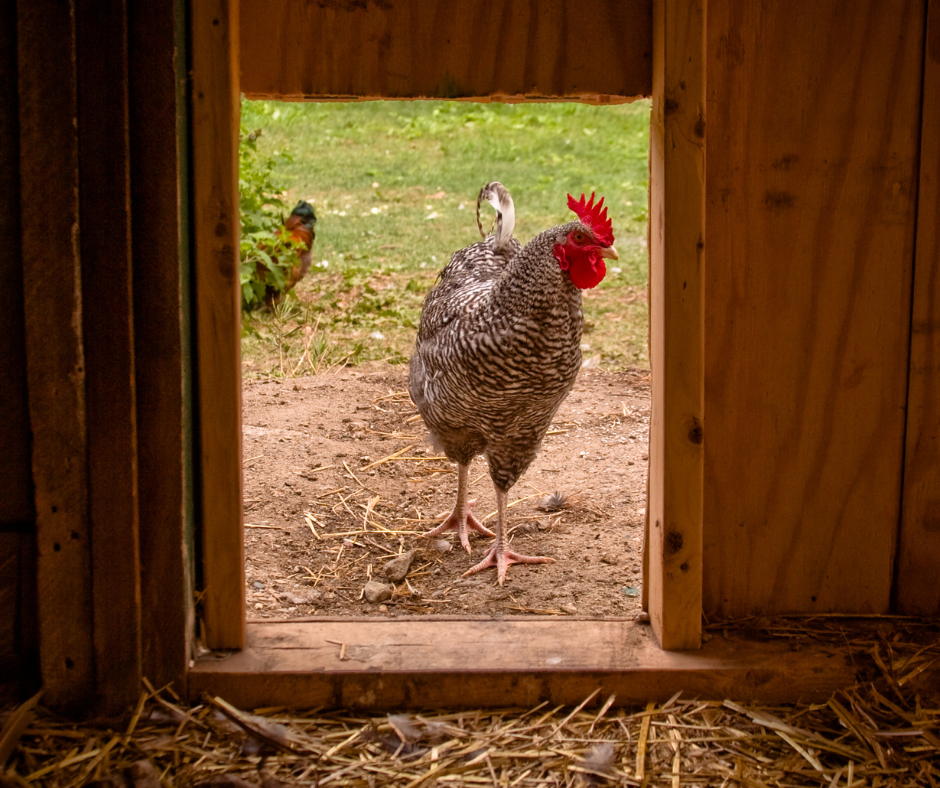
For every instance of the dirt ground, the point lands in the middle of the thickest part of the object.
(340, 479)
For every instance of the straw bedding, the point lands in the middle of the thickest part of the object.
(884, 731)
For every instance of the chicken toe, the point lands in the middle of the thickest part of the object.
(461, 519)
(499, 554)
(462, 522)
(502, 557)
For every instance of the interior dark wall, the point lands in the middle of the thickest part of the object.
(96, 470)
(17, 518)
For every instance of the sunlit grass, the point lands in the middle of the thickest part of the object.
(394, 185)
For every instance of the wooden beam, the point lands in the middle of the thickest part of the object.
(677, 250)
(919, 549)
(598, 50)
(159, 187)
(813, 138)
(370, 664)
(215, 122)
(54, 352)
(108, 337)
(16, 502)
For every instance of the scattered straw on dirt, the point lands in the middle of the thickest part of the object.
(340, 462)
(884, 732)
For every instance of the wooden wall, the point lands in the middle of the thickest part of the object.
(782, 297)
(18, 645)
(161, 253)
(92, 247)
(804, 394)
(917, 591)
(600, 49)
(813, 152)
(17, 518)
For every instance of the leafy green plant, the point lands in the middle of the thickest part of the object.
(262, 207)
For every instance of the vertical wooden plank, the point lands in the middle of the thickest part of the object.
(214, 26)
(158, 132)
(107, 324)
(813, 127)
(918, 567)
(10, 656)
(17, 519)
(16, 502)
(677, 249)
(55, 358)
(19, 669)
(18, 645)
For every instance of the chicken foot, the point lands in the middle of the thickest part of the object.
(461, 519)
(499, 555)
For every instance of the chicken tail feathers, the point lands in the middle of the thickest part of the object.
(498, 196)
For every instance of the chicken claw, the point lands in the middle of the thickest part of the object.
(499, 554)
(461, 520)
(502, 558)
(462, 523)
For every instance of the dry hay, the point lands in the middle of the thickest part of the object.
(885, 731)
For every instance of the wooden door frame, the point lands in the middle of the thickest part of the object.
(617, 654)
(216, 233)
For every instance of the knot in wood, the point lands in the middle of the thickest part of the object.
(672, 543)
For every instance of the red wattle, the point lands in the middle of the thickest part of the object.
(585, 269)
(589, 274)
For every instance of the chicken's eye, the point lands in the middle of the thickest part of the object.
(578, 237)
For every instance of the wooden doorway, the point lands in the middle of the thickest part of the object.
(672, 582)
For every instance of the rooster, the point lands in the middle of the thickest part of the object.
(299, 232)
(498, 350)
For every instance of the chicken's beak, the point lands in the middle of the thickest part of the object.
(610, 252)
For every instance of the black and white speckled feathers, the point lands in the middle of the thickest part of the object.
(498, 350)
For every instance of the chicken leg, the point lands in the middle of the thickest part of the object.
(461, 519)
(499, 555)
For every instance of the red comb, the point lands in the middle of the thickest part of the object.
(592, 216)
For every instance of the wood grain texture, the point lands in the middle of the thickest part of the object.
(813, 127)
(918, 567)
(396, 665)
(19, 669)
(677, 248)
(16, 502)
(160, 248)
(9, 604)
(215, 109)
(55, 359)
(593, 49)
(108, 338)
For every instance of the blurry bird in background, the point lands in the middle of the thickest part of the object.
(498, 350)
(299, 234)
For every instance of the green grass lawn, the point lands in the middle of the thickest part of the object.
(394, 186)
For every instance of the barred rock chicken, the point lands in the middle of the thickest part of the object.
(498, 350)
(299, 229)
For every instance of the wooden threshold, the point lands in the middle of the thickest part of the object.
(442, 662)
